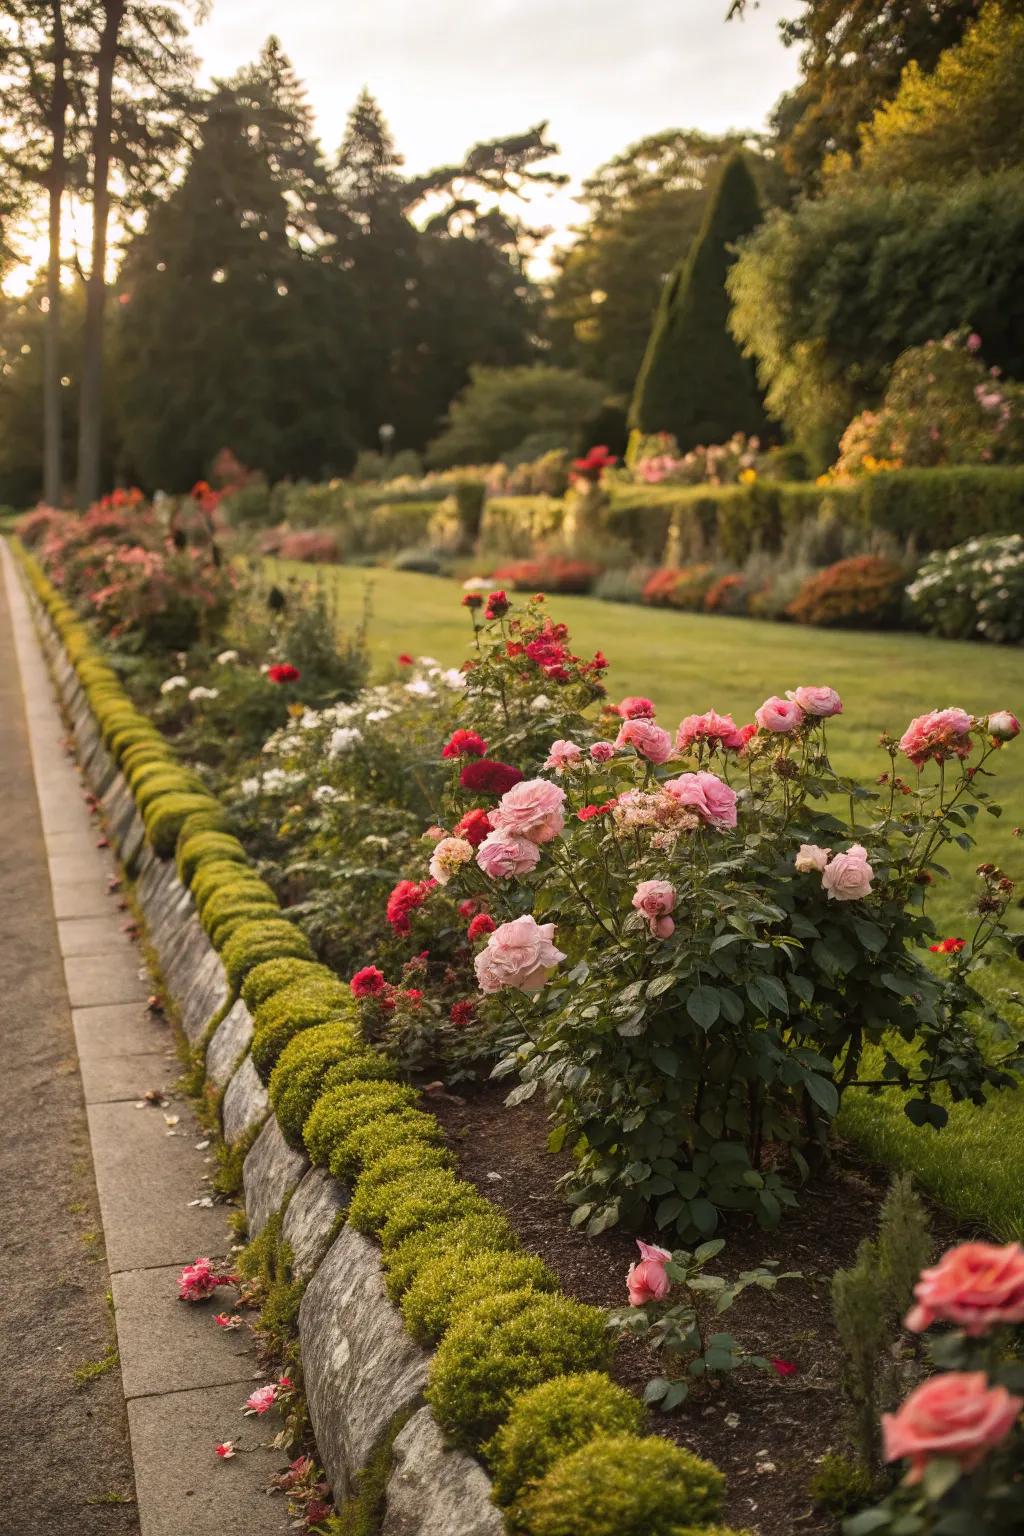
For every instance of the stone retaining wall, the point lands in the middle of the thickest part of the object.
(360, 1367)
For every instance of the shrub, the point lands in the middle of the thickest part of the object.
(500, 1348)
(865, 592)
(206, 845)
(271, 975)
(503, 409)
(385, 1181)
(426, 562)
(551, 1421)
(975, 590)
(487, 1232)
(231, 899)
(424, 1200)
(620, 1485)
(262, 940)
(548, 575)
(315, 546)
(309, 1001)
(447, 1286)
(218, 874)
(341, 1110)
(298, 1076)
(366, 1144)
(684, 588)
(165, 815)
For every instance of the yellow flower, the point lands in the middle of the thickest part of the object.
(748, 476)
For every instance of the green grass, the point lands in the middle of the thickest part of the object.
(688, 663)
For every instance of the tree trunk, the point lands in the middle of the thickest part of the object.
(53, 480)
(90, 423)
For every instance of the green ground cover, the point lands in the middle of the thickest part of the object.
(688, 663)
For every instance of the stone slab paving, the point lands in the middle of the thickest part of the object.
(184, 1379)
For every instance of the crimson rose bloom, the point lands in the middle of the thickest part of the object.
(481, 924)
(464, 744)
(367, 982)
(474, 826)
(405, 898)
(405, 660)
(462, 1013)
(472, 600)
(497, 605)
(283, 672)
(948, 947)
(491, 777)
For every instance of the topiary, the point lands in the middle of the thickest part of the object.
(376, 1188)
(621, 1485)
(502, 1347)
(424, 1199)
(229, 900)
(337, 1113)
(296, 1008)
(213, 875)
(863, 592)
(447, 1286)
(197, 846)
(478, 1232)
(552, 1421)
(271, 975)
(163, 818)
(152, 782)
(298, 1078)
(258, 941)
(366, 1144)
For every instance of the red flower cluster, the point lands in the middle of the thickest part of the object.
(948, 947)
(489, 777)
(472, 600)
(497, 605)
(594, 464)
(405, 660)
(462, 1013)
(474, 826)
(634, 707)
(464, 744)
(283, 672)
(588, 812)
(404, 899)
(368, 982)
(482, 924)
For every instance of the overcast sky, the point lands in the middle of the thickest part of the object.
(448, 73)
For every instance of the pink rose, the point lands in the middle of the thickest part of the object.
(649, 739)
(260, 1401)
(518, 954)
(848, 875)
(941, 734)
(501, 856)
(647, 1281)
(956, 1414)
(821, 702)
(781, 715)
(656, 899)
(810, 857)
(532, 809)
(714, 729)
(975, 1286)
(1003, 726)
(563, 755)
(705, 793)
(448, 857)
(634, 707)
(602, 751)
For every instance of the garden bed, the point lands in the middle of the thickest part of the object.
(766, 1432)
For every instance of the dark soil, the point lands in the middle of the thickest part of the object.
(767, 1433)
(65, 1464)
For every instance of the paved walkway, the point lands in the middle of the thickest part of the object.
(73, 983)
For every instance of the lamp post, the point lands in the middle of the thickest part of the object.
(386, 433)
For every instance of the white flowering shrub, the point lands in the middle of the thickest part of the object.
(973, 591)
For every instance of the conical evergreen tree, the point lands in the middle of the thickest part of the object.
(694, 382)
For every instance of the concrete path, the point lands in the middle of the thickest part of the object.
(76, 984)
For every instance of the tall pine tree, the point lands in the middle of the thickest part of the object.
(694, 382)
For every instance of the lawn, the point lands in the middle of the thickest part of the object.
(688, 663)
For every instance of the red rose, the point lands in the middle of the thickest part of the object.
(405, 660)
(464, 744)
(497, 605)
(492, 778)
(474, 826)
(405, 898)
(283, 672)
(483, 923)
(462, 1013)
(472, 600)
(368, 982)
(948, 947)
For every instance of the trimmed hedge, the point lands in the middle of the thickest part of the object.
(448, 1286)
(553, 1420)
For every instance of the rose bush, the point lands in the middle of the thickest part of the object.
(699, 937)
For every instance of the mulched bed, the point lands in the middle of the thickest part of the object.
(767, 1433)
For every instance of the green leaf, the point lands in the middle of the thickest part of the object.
(556, 1139)
(703, 1215)
(521, 1094)
(870, 935)
(775, 992)
(704, 1004)
(665, 1060)
(655, 1389)
(939, 1477)
(660, 984)
(824, 1093)
(676, 1394)
(867, 1521)
(667, 1210)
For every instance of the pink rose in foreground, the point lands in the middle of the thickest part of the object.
(810, 857)
(656, 899)
(260, 1401)
(1002, 726)
(602, 751)
(563, 755)
(939, 735)
(647, 1281)
(199, 1280)
(634, 707)
(501, 856)
(705, 793)
(780, 715)
(820, 702)
(532, 809)
(519, 954)
(956, 1414)
(975, 1286)
(648, 739)
(714, 729)
(848, 876)
(448, 858)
